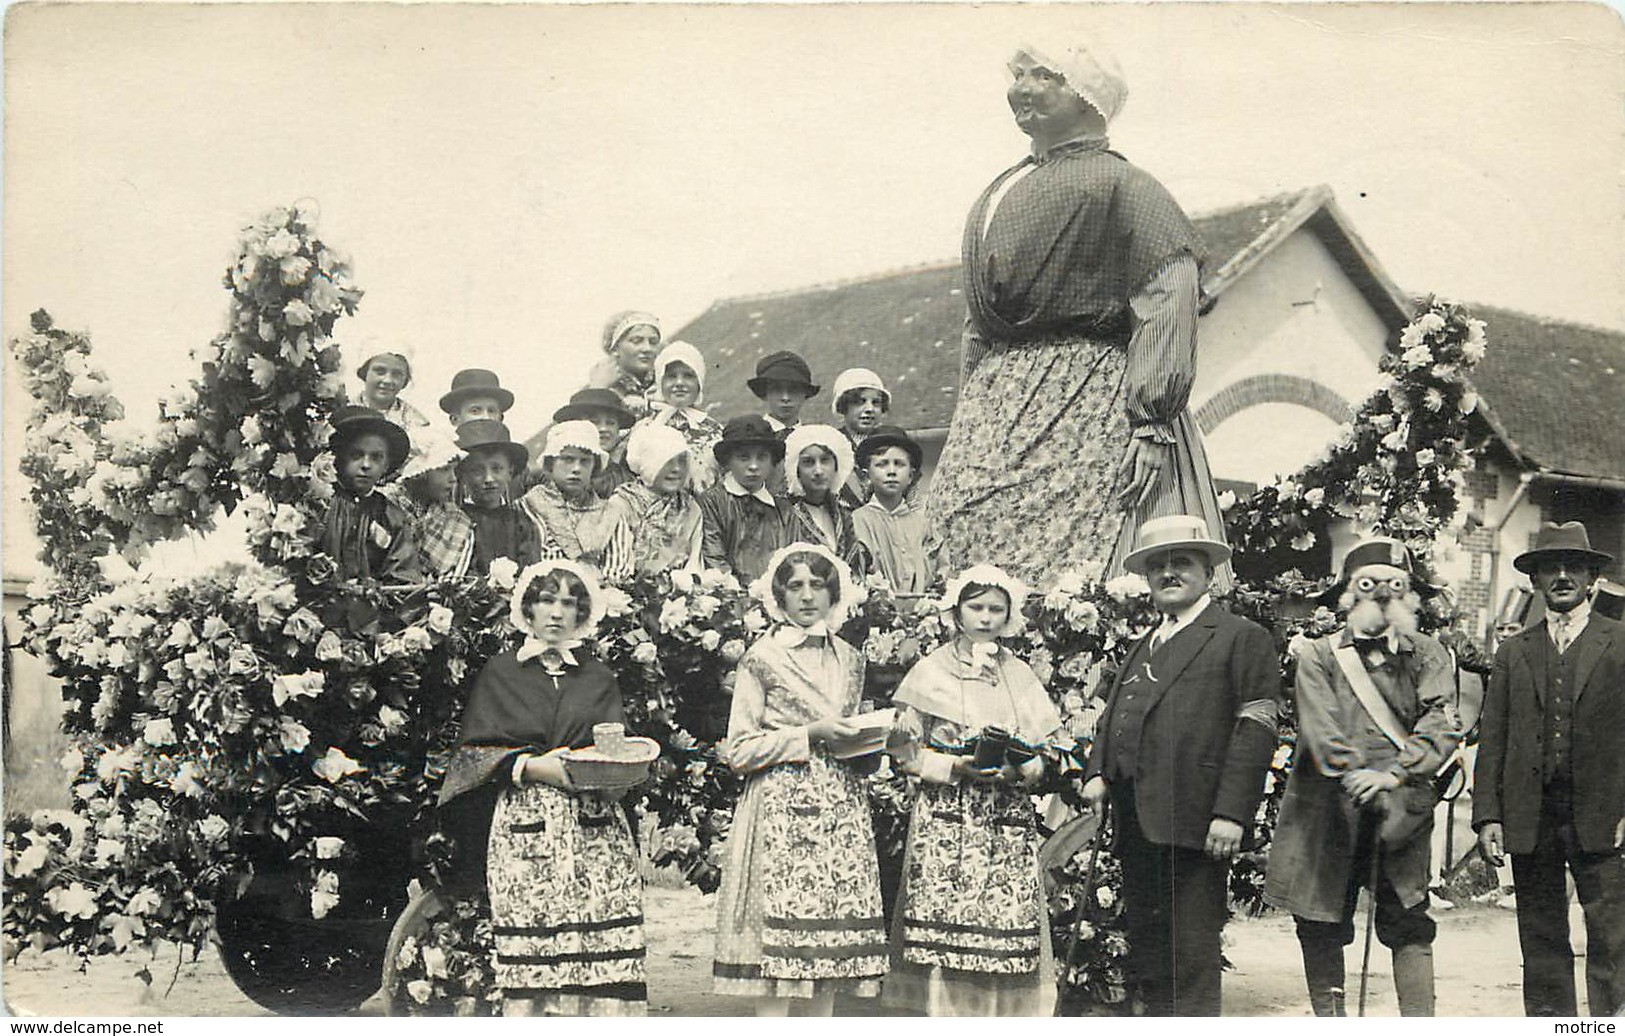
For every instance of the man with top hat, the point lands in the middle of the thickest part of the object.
(1375, 726)
(606, 412)
(1549, 785)
(1181, 753)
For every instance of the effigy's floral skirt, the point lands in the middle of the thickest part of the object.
(800, 910)
(1028, 476)
(971, 935)
(566, 904)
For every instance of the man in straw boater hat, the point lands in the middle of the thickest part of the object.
(1549, 786)
(1375, 726)
(1181, 753)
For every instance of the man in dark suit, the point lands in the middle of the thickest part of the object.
(1549, 786)
(1182, 750)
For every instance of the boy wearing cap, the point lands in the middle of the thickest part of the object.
(605, 411)
(1549, 783)
(1181, 751)
(1375, 725)
(784, 383)
(367, 535)
(563, 505)
(476, 395)
(891, 526)
(383, 375)
(861, 400)
(744, 521)
(486, 474)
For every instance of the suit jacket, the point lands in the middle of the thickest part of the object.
(1507, 781)
(1209, 732)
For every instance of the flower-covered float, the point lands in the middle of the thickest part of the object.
(256, 747)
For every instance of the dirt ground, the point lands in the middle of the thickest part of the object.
(1476, 959)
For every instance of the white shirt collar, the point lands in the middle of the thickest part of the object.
(1578, 616)
(732, 485)
(904, 506)
(1177, 621)
(775, 424)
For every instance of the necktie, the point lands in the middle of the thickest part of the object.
(1160, 637)
(1560, 631)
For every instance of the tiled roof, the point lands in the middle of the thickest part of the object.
(1557, 390)
(1554, 389)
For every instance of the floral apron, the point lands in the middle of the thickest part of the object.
(801, 902)
(968, 836)
(566, 903)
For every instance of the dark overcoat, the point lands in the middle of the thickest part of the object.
(1311, 854)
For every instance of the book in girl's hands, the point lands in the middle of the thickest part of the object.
(873, 730)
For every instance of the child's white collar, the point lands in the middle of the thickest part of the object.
(732, 485)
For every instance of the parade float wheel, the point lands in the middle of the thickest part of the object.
(414, 922)
(293, 964)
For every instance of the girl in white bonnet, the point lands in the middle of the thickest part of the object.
(654, 521)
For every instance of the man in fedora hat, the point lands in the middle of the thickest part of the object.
(1375, 726)
(476, 395)
(1549, 785)
(1181, 751)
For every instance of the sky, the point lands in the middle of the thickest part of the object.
(507, 177)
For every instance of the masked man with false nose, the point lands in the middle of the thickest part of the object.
(1375, 725)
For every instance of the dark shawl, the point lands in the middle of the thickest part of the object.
(517, 707)
(1069, 244)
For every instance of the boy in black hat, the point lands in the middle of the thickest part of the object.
(744, 521)
(890, 525)
(784, 382)
(501, 529)
(367, 535)
(476, 395)
(603, 407)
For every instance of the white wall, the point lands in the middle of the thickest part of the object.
(1296, 313)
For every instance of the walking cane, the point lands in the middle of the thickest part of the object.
(1370, 916)
(1084, 899)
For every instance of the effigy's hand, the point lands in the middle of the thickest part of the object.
(1142, 467)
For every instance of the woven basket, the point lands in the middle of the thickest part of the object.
(589, 769)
